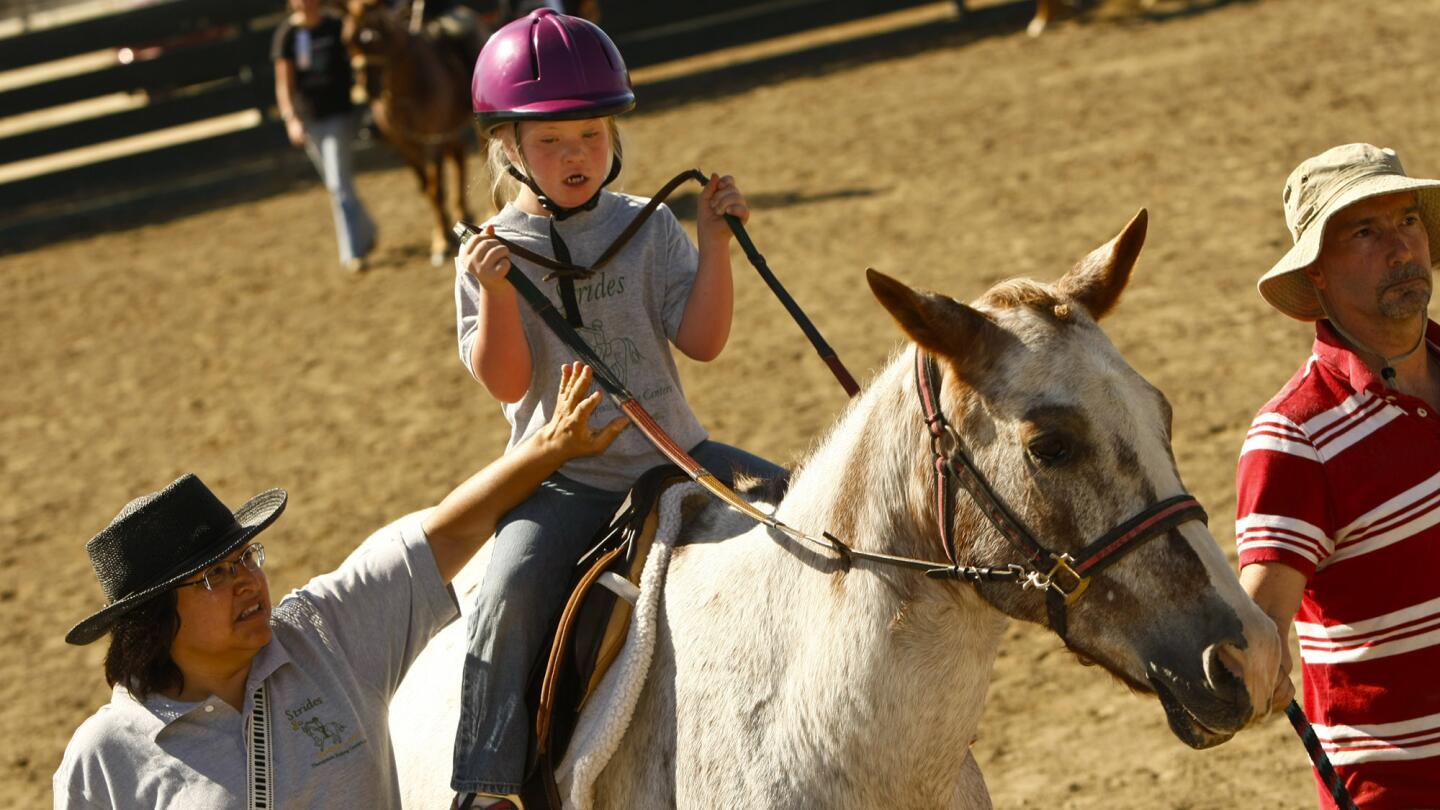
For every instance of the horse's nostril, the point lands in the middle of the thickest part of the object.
(1224, 666)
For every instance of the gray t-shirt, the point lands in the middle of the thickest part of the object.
(340, 647)
(631, 311)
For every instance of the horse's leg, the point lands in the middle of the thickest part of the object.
(1043, 9)
(435, 193)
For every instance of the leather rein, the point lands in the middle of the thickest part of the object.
(1060, 575)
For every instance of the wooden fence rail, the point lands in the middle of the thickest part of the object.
(214, 61)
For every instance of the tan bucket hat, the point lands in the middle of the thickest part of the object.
(1319, 188)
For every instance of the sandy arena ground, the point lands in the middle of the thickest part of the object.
(229, 343)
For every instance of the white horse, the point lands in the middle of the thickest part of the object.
(782, 678)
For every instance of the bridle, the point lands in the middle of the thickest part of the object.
(1060, 575)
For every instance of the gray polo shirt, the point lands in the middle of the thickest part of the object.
(341, 645)
(631, 311)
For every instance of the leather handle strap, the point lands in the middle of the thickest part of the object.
(557, 650)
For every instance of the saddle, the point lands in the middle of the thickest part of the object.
(593, 627)
(591, 630)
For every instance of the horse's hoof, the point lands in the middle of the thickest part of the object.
(437, 258)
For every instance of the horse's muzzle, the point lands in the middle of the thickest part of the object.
(1205, 711)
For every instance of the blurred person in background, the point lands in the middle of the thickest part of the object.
(312, 90)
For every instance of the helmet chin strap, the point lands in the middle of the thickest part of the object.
(1387, 370)
(560, 212)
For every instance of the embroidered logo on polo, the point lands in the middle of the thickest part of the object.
(330, 737)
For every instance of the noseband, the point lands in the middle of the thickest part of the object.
(1061, 576)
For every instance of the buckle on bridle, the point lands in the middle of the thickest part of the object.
(945, 443)
(1056, 579)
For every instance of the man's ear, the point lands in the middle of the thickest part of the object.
(1312, 272)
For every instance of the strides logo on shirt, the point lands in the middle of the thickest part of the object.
(616, 353)
(331, 737)
(602, 287)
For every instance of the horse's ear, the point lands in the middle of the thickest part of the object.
(940, 324)
(1098, 279)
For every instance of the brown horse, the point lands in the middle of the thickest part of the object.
(419, 95)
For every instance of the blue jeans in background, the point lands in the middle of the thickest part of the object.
(330, 143)
(527, 581)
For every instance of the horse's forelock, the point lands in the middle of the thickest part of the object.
(1036, 296)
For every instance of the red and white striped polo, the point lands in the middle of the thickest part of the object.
(1339, 479)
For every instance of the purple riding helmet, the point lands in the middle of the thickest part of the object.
(550, 67)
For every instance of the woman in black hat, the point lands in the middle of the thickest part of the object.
(218, 698)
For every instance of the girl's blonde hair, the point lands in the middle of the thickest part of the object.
(503, 187)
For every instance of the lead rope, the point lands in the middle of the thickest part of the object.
(260, 796)
(1317, 756)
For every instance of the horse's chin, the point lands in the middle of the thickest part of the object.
(1183, 723)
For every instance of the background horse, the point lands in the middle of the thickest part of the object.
(781, 678)
(419, 96)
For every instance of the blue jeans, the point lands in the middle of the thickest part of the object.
(330, 143)
(537, 545)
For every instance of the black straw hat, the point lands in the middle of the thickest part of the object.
(161, 538)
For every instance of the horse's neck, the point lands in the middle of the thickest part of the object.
(398, 75)
(869, 480)
(408, 62)
(917, 652)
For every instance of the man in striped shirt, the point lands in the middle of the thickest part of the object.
(1339, 479)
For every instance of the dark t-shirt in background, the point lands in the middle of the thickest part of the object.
(322, 67)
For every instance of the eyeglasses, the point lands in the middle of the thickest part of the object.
(222, 574)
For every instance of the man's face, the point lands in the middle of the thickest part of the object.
(1374, 264)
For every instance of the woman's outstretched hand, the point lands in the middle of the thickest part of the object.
(568, 433)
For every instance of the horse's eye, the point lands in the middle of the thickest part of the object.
(1049, 450)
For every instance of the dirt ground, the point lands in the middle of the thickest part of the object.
(229, 343)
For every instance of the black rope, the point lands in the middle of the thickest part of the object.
(1317, 756)
(796, 313)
